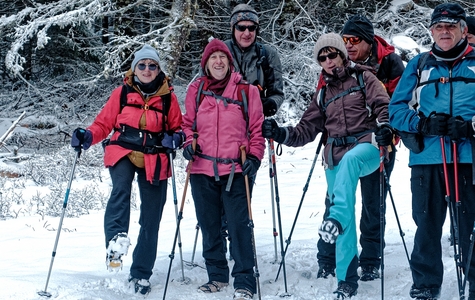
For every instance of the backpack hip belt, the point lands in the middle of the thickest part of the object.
(226, 161)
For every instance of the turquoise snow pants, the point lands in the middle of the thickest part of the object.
(342, 181)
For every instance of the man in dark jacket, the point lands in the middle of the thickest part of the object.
(259, 64)
(366, 48)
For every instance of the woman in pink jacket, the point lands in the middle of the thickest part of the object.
(146, 119)
(223, 114)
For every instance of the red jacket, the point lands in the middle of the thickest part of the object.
(222, 128)
(111, 117)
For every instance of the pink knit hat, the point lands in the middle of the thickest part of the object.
(213, 46)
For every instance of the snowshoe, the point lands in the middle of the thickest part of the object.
(141, 286)
(344, 291)
(424, 293)
(118, 246)
(243, 294)
(369, 273)
(325, 271)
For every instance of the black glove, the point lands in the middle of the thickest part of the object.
(458, 128)
(270, 130)
(434, 124)
(188, 151)
(251, 165)
(269, 106)
(173, 140)
(81, 138)
(383, 135)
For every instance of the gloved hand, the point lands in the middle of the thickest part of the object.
(458, 128)
(81, 138)
(434, 124)
(188, 151)
(173, 140)
(251, 165)
(269, 106)
(270, 130)
(329, 231)
(383, 135)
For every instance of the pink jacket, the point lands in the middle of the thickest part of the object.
(222, 128)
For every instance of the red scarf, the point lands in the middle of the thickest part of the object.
(217, 86)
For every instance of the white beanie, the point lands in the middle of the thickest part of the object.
(330, 40)
(147, 52)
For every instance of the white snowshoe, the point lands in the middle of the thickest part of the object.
(118, 246)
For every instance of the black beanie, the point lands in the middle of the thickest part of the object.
(471, 24)
(360, 26)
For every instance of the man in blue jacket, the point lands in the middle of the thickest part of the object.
(434, 109)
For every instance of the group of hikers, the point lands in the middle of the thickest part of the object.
(365, 101)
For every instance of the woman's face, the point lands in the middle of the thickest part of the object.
(146, 70)
(218, 65)
(329, 60)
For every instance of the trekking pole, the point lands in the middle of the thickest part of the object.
(381, 214)
(457, 219)
(180, 215)
(279, 218)
(192, 262)
(470, 252)
(65, 204)
(305, 188)
(453, 221)
(401, 233)
(251, 222)
(175, 201)
(271, 178)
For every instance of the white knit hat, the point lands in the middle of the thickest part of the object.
(147, 52)
(330, 40)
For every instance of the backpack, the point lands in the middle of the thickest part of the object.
(360, 87)
(243, 96)
(167, 98)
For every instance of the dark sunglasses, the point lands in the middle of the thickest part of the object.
(333, 55)
(354, 40)
(243, 28)
(151, 67)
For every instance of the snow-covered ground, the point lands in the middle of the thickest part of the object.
(79, 270)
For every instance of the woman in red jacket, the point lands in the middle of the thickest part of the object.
(146, 119)
(223, 114)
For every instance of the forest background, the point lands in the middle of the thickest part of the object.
(60, 60)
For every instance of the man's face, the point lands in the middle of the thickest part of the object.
(245, 33)
(358, 49)
(471, 38)
(447, 35)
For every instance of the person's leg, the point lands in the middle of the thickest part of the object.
(236, 208)
(117, 213)
(153, 198)
(467, 222)
(370, 222)
(208, 206)
(326, 251)
(429, 209)
(362, 160)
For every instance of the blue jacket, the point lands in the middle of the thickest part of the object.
(455, 97)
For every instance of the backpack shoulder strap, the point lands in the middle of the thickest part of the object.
(243, 96)
(360, 87)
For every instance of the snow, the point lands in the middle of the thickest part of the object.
(79, 271)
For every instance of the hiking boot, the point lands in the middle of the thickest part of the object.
(243, 294)
(141, 286)
(369, 273)
(424, 293)
(325, 271)
(344, 291)
(212, 287)
(118, 246)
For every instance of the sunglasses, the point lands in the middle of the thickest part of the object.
(333, 55)
(243, 28)
(354, 40)
(151, 67)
